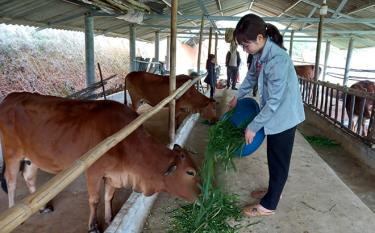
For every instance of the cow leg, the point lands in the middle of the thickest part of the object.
(30, 175)
(93, 189)
(108, 196)
(11, 170)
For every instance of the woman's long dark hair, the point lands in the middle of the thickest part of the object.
(210, 56)
(251, 25)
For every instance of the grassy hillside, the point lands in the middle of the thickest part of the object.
(53, 61)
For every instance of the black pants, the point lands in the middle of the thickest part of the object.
(279, 151)
(212, 91)
(232, 76)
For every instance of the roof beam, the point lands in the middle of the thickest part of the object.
(350, 20)
(361, 9)
(251, 4)
(289, 8)
(339, 8)
(178, 12)
(339, 14)
(206, 13)
(309, 16)
(63, 20)
(218, 3)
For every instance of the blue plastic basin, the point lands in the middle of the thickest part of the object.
(245, 110)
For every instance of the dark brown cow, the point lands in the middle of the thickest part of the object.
(306, 71)
(365, 86)
(53, 132)
(153, 88)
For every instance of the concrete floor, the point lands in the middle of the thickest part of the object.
(315, 199)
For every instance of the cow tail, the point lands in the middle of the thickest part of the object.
(125, 95)
(2, 178)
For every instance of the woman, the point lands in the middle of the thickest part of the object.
(211, 74)
(280, 102)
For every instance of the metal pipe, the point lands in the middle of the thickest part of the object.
(348, 60)
(291, 44)
(132, 47)
(89, 49)
(328, 46)
(157, 40)
(318, 46)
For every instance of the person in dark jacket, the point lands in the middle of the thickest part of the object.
(232, 62)
(249, 62)
(211, 74)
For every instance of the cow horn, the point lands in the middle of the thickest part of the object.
(170, 169)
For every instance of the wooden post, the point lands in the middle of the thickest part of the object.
(209, 41)
(200, 46)
(172, 76)
(318, 46)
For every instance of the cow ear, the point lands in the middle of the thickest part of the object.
(170, 169)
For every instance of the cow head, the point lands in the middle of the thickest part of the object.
(209, 111)
(180, 176)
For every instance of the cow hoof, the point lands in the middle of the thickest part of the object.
(47, 209)
(94, 229)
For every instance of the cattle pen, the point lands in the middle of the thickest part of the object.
(315, 199)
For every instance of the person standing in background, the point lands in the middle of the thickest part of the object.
(232, 62)
(211, 74)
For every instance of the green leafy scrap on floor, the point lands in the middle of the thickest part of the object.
(213, 210)
(321, 141)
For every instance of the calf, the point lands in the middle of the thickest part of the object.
(53, 132)
(153, 88)
(365, 86)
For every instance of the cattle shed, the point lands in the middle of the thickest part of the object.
(345, 24)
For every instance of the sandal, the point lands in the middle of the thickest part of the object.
(256, 211)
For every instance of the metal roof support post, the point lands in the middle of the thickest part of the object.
(89, 49)
(328, 46)
(168, 53)
(216, 42)
(157, 40)
(291, 44)
(348, 59)
(322, 12)
(209, 41)
(132, 47)
(200, 46)
(172, 76)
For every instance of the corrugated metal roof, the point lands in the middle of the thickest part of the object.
(69, 15)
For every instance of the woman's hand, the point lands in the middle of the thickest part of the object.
(249, 136)
(232, 103)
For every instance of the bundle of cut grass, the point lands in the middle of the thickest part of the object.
(320, 141)
(213, 209)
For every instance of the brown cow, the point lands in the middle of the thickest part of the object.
(365, 86)
(153, 88)
(306, 71)
(53, 132)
